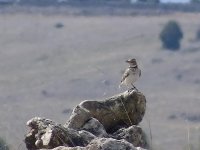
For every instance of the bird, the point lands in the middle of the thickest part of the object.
(131, 74)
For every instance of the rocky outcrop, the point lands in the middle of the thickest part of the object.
(103, 144)
(94, 125)
(125, 109)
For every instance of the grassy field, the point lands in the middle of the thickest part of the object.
(46, 71)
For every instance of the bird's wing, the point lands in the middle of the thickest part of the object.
(125, 75)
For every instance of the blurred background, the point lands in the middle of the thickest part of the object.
(56, 53)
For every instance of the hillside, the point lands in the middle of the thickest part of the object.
(43, 67)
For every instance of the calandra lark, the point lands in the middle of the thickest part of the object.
(131, 74)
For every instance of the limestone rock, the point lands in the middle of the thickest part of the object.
(110, 143)
(133, 134)
(122, 110)
(103, 144)
(45, 133)
(93, 125)
(68, 148)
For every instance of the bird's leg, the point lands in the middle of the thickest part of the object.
(129, 90)
(133, 87)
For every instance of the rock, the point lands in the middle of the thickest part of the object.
(133, 134)
(45, 133)
(110, 144)
(122, 110)
(139, 148)
(103, 144)
(94, 125)
(68, 148)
